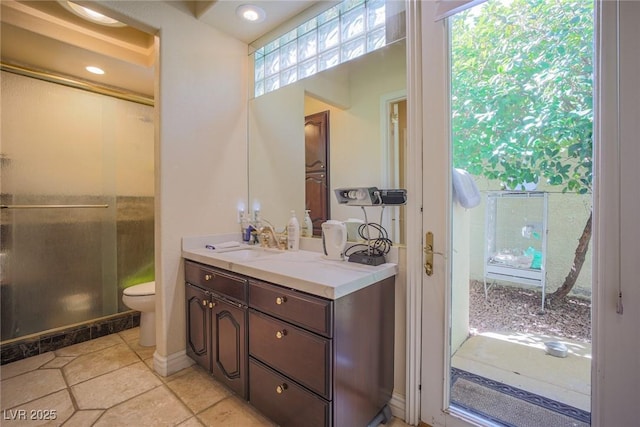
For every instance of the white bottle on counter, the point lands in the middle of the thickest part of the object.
(307, 224)
(293, 233)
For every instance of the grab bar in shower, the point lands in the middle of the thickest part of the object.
(50, 206)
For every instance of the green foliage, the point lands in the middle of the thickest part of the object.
(522, 107)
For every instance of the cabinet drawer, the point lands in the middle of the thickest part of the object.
(315, 314)
(299, 354)
(285, 402)
(215, 280)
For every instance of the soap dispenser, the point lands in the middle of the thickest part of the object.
(293, 233)
(307, 224)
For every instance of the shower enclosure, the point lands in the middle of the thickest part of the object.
(77, 204)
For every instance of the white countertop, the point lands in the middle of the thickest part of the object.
(302, 270)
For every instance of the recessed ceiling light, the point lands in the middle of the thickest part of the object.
(94, 70)
(90, 14)
(251, 13)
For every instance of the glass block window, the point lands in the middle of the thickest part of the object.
(344, 32)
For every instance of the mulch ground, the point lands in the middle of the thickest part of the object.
(514, 309)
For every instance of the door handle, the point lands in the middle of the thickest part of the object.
(428, 253)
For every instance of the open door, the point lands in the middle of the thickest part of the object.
(457, 249)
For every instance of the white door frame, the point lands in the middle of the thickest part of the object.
(616, 206)
(436, 199)
(414, 212)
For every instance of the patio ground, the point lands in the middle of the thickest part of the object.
(508, 334)
(520, 360)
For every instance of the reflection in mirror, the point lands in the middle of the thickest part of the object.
(316, 165)
(366, 137)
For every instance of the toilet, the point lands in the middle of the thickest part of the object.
(142, 297)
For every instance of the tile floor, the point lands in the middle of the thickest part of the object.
(109, 382)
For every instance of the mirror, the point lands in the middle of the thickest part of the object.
(364, 150)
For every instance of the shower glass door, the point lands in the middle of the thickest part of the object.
(59, 184)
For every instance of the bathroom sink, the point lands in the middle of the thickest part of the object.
(248, 254)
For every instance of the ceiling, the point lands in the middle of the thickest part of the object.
(221, 14)
(46, 36)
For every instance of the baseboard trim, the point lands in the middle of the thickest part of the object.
(397, 405)
(171, 364)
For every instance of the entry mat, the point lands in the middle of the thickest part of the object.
(509, 406)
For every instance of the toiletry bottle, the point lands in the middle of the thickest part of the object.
(256, 224)
(245, 223)
(257, 221)
(307, 224)
(293, 232)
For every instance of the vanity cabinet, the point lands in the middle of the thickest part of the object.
(300, 359)
(217, 324)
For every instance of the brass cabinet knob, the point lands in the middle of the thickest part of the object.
(208, 277)
(281, 334)
(281, 300)
(281, 388)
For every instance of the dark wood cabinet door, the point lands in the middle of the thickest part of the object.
(229, 346)
(198, 326)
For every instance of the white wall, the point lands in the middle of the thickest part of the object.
(276, 159)
(201, 172)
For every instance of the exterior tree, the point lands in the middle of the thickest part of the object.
(522, 107)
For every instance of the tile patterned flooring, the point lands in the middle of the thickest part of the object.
(109, 382)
